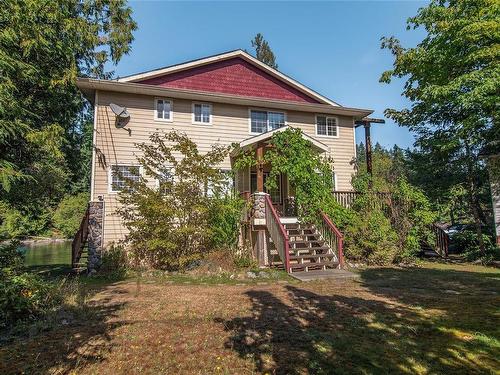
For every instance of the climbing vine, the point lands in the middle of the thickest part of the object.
(309, 172)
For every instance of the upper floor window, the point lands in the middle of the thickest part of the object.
(202, 113)
(120, 175)
(264, 121)
(163, 109)
(327, 126)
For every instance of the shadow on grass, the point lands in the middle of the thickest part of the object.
(77, 334)
(390, 329)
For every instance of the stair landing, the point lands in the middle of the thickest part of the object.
(336, 274)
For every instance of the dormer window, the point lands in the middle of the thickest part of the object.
(163, 110)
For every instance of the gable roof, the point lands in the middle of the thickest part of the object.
(156, 76)
(249, 142)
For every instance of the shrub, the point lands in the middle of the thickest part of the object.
(169, 224)
(371, 238)
(22, 295)
(467, 242)
(114, 261)
(69, 213)
(224, 217)
(14, 224)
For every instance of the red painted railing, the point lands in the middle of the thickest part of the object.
(442, 240)
(278, 233)
(79, 240)
(332, 236)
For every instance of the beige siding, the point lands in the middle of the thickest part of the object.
(230, 124)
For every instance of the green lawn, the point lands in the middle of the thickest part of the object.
(435, 319)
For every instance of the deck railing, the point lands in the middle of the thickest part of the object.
(347, 198)
(278, 233)
(333, 237)
(80, 239)
(442, 240)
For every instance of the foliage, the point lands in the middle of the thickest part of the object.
(169, 224)
(453, 84)
(263, 51)
(23, 295)
(467, 240)
(69, 213)
(370, 236)
(309, 173)
(224, 216)
(44, 138)
(115, 262)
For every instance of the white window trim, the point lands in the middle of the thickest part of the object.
(155, 112)
(335, 188)
(263, 110)
(157, 181)
(323, 135)
(110, 175)
(200, 122)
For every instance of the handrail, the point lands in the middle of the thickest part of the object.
(442, 240)
(80, 238)
(334, 238)
(278, 233)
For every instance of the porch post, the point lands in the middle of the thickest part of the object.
(260, 168)
(368, 145)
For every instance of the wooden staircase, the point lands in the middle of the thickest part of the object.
(79, 252)
(308, 249)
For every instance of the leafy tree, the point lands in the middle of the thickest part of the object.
(453, 82)
(263, 51)
(168, 221)
(44, 46)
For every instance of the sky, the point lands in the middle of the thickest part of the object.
(332, 47)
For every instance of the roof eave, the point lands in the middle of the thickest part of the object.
(88, 85)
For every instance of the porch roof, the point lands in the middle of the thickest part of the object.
(249, 142)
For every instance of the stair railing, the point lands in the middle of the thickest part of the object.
(80, 239)
(442, 239)
(278, 233)
(333, 237)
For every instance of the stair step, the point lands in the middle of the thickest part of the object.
(304, 267)
(312, 256)
(306, 242)
(315, 248)
(305, 235)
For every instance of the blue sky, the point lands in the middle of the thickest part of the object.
(332, 47)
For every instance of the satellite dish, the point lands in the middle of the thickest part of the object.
(122, 115)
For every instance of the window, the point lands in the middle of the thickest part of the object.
(120, 174)
(327, 126)
(202, 113)
(334, 177)
(166, 180)
(225, 187)
(163, 109)
(264, 121)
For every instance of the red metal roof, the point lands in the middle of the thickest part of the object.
(233, 76)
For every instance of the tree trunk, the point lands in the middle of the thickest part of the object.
(473, 198)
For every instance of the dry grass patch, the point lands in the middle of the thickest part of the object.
(389, 321)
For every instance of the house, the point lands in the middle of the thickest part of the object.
(226, 98)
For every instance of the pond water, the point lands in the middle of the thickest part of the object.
(55, 253)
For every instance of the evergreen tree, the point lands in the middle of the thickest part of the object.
(263, 51)
(44, 46)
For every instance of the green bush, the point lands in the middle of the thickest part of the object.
(371, 238)
(224, 217)
(114, 261)
(23, 295)
(467, 242)
(69, 214)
